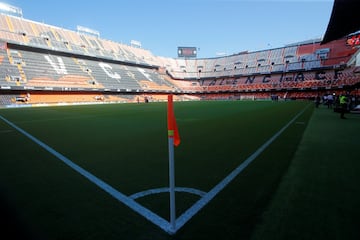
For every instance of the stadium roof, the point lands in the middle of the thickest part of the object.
(344, 20)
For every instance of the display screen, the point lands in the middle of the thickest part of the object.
(189, 52)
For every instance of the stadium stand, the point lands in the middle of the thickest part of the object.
(50, 61)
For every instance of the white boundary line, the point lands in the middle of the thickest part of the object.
(145, 212)
(188, 214)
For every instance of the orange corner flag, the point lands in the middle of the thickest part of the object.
(172, 126)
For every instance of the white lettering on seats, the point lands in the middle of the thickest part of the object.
(108, 70)
(60, 68)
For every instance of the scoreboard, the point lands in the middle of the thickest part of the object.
(187, 52)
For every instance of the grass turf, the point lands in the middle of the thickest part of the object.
(126, 146)
(319, 197)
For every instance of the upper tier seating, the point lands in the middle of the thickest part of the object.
(57, 57)
(30, 33)
(290, 58)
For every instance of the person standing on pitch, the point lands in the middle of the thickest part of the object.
(343, 105)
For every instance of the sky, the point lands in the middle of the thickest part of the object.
(214, 27)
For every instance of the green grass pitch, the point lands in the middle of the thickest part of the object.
(125, 145)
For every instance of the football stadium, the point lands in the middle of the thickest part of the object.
(106, 140)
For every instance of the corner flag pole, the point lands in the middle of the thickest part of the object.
(172, 183)
(174, 139)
